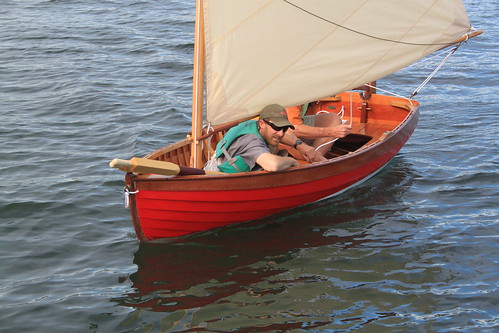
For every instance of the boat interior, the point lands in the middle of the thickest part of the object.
(373, 118)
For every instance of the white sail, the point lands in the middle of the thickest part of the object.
(260, 52)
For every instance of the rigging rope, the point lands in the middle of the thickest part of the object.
(388, 92)
(209, 128)
(454, 49)
(360, 32)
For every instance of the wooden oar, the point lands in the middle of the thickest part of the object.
(144, 165)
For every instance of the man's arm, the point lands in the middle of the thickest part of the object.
(270, 162)
(310, 132)
(308, 152)
(327, 125)
(254, 150)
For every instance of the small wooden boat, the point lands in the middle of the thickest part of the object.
(169, 194)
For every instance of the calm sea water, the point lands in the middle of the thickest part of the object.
(415, 249)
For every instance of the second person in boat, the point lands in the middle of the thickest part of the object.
(320, 130)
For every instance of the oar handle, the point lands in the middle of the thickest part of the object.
(120, 164)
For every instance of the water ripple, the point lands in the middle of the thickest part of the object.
(83, 82)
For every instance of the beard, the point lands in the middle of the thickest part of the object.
(274, 141)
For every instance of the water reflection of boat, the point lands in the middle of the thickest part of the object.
(205, 268)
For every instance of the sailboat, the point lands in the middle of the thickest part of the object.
(328, 54)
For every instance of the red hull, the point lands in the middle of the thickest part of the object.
(170, 207)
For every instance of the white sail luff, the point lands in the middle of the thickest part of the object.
(290, 52)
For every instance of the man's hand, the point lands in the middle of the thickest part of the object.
(310, 154)
(340, 131)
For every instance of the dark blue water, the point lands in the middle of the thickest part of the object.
(414, 249)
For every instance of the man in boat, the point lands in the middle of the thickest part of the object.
(253, 145)
(319, 130)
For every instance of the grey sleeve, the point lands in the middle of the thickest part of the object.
(249, 147)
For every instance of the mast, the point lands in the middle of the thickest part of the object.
(198, 87)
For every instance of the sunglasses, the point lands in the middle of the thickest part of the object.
(276, 128)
